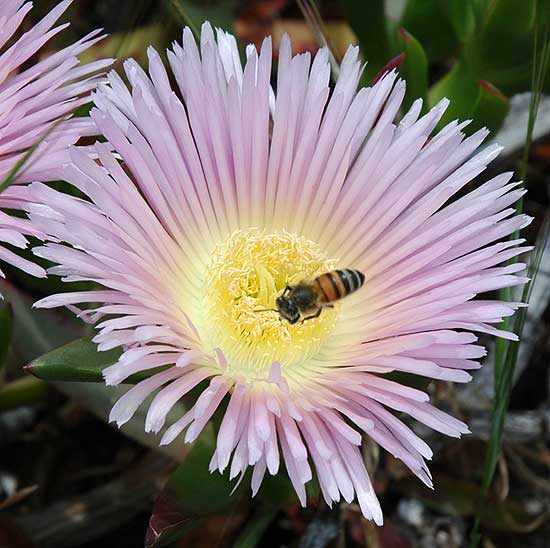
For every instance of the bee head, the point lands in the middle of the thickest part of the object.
(287, 309)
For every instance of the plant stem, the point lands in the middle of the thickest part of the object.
(24, 391)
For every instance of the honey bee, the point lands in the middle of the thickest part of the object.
(306, 300)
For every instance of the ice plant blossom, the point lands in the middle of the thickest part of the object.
(228, 192)
(35, 110)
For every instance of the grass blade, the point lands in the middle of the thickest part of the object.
(315, 22)
(506, 352)
(12, 173)
(503, 386)
(185, 18)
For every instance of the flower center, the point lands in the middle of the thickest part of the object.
(248, 271)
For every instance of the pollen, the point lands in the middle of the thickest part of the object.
(248, 271)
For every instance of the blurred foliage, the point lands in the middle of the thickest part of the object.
(190, 494)
(461, 497)
(6, 327)
(194, 12)
(25, 335)
(24, 391)
(373, 29)
(506, 352)
(122, 45)
(251, 535)
(475, 52)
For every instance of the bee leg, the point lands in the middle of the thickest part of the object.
(287, 290)
(316, 315)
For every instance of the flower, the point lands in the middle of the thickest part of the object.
(35, 106)
(228, 192)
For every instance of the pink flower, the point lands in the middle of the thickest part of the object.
(227, 194)
(35, 110)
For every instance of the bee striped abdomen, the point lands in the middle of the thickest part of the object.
(337, 284)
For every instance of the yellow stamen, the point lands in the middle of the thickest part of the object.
(248, 270)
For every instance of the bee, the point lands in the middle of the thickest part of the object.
(306, 300)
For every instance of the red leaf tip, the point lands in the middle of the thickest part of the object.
(492, 90)
(404, 34)
(391, 64)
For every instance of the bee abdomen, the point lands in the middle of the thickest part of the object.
(352, 279)
(337, 284)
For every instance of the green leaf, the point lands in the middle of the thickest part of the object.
(438, 39)
(490, 108)
(193, 13)
(470, 99)
(191, 494)
(506, 44)
(461, 17)
(196, 488)
(369, 23)
(414, 69)
(256, 527)
(511, 18)
(80, 361)
(461, 87)
(6, 328)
